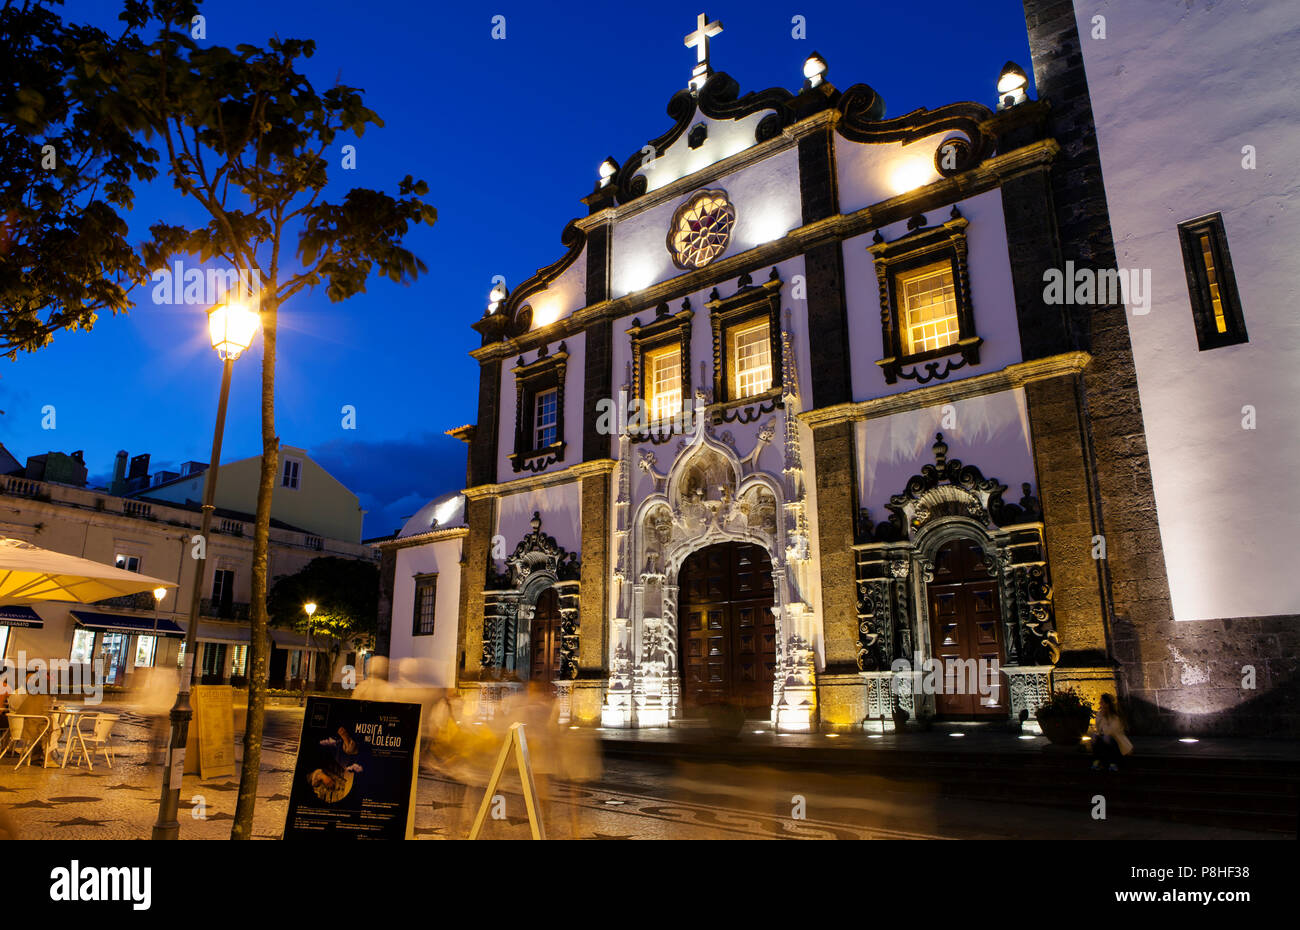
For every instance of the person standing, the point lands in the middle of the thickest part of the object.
(1110, 742)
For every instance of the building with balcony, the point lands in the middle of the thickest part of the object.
(155, 537)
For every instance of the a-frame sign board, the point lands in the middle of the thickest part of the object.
(516, 739)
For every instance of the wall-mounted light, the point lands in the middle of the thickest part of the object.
(1011, 85)
(498, 294)
(814, 70)
(608, 167)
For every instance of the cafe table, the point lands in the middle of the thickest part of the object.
(72, 714)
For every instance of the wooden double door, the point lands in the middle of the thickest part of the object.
(727, 631)
(544, 639)
(966, 632)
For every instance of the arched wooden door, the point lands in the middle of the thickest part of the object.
(966, 632)
(727, 631)
(544, 639)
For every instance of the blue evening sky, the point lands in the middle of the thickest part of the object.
(508, 134)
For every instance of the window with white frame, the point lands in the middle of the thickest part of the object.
(664, 382)
(929, 303)
(83, 647)
(290, 474)
(751, 358)
(145, 647)
(130, 563)
(4, 639)
(546, 418)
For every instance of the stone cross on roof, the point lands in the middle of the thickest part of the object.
(699, 40)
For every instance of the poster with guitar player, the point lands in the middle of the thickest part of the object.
(354, 777)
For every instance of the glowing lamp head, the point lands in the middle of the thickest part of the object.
(497, 294)
(1011, 85)
(232, 327)
(814, 69)
(310, 607)
(608, 167)
(159, 594)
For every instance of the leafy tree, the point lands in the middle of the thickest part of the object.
(346, 595)
(67, 163)
(247, 136)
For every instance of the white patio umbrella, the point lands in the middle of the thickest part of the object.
(29, 573)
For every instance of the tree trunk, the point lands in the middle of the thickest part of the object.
(242, 828)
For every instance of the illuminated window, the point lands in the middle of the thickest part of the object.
(750, 349)
(238, 660)
(1211, 284)
(83, 647)
(546, 418)
(927, 321)
(664, 382)
(130, 563)
(929, 303)
(145, 646)
(701, 229)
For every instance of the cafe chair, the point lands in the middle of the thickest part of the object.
(28, 729)
(101, 739)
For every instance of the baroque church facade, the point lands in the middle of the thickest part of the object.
(791, 417)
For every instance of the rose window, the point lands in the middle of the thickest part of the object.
(701, 229)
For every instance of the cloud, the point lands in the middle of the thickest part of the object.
(394, 477)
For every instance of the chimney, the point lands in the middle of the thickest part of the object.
(138, 477)
(118, 485)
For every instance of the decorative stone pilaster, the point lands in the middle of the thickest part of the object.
(1031, 688)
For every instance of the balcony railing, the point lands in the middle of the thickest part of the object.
(223, 610)
(136, 509)
(20, 487)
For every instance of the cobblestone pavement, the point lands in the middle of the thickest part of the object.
(630, 801)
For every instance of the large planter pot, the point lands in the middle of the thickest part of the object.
(725, 720)
(1064, 729)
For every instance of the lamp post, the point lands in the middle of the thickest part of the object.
(232, 327)
(158, 595)
(310, 607)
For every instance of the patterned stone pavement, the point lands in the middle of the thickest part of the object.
(629, 801)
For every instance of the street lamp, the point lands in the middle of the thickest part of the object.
(310, 607)
(158, 595)
(232, 327)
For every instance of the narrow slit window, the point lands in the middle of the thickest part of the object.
(1211, 284)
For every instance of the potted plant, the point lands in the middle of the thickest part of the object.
(1065, 717)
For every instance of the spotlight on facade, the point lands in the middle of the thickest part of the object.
(498, 294)
(1011, 85)
(957, 734)
(814, 70)
(1189, 739)
(607, 169)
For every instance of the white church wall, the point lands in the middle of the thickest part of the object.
(565, 294)
(724, 139)
(433, 657)
(1177, 93)
(992, 297)
(560, 508)
(990, 432)
(766, 198)
(871, 172)
(574, 373)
